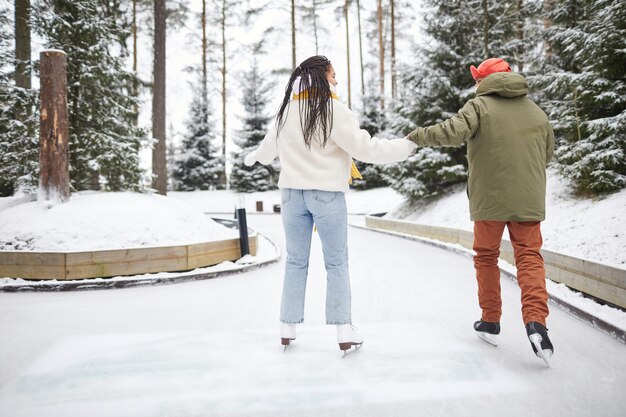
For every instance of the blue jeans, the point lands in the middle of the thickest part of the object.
(327, 210)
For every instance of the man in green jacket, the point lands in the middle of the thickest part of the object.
(509, 143)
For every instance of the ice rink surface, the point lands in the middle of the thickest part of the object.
(212, 348)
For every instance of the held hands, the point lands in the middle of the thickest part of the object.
(413, 145)
(250, 159)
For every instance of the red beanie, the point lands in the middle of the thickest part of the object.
(489, 66)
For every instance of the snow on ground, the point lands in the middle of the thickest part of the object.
(359, 202)
(98, 221)
(583, 228)
(211, 348)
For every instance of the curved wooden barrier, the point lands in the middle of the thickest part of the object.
(110, 263)
(600, 281)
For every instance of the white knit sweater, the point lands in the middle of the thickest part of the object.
(325, 168)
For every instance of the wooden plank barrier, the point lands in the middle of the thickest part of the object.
(110, 263)
(604, 282)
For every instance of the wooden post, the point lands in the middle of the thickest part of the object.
(54, 150)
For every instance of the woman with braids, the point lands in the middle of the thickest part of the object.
(315, 137)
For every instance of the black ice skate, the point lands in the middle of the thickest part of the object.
(539, 340)
(487, 331)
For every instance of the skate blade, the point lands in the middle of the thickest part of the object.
(492, 339)
(285, 342)
(348, 348)
(544, 354)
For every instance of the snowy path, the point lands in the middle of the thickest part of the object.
(211, 347)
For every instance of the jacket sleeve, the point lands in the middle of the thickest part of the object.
(452, 132)
(549, 145)
(356, 142)
(266, 152)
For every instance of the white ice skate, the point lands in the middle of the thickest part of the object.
(348, 337)
(287, 334)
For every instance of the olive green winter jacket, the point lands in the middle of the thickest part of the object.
(509, 143)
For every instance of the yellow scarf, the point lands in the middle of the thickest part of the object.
(354, 171)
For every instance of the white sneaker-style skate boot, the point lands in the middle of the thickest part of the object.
(287, 334)
(348, 336)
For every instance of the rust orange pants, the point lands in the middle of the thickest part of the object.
(531, 276)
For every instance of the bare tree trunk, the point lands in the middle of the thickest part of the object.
(381, 53)
(293, 34)
(485, 29)
(358, 13)
(159, 163)
(22, 51)
(135, 82)
(204, 48)
(223, 24)
(314, 2)
(54, 155)
(22, 43)
(393, 51)
(520, 35)
(547, 24)
(345, 14)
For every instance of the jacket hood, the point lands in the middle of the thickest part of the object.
(505, 84)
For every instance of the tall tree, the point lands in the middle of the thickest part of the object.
(358, 11)
(485, 10)
(584, 91)
(393, 49)
(22, 43)
(199, 165)
(159, 163)
(439, 83)
(223, 71)
(104, 141)
(346, 10)
(381, 53)
(310, 15)
(255, 96)
(135, 68)
(19, 117)
(293, 34)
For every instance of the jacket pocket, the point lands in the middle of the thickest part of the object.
(325, 196)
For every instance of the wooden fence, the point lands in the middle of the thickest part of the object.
(110, 263)
(601, 281)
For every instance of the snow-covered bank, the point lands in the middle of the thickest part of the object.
(583, 228)
(99, 221)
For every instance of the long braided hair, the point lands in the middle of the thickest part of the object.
(316, 107)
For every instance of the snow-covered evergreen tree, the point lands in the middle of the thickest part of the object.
(255, 125)
(439, 83)
(584, 91)
(199, 165)
(374, 120)
(104, 141)
(19, 119)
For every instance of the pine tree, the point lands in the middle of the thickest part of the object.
(373, 119)
(584, 92)
(19, 118)
(104, 142)
(199, 166)
(255, 125)
(437, 85)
